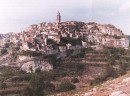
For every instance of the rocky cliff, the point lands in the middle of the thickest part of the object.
(29, 64)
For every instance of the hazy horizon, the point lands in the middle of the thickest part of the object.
(16, 15)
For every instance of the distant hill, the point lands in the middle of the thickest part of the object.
(4, 36)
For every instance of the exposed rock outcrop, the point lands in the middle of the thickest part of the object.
(31, 66)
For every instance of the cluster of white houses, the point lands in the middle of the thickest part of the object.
(36, 36)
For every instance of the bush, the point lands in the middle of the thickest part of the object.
(50, 41)
(3, 85)
(21, 72)
(74, 80)
(76, 53)
(38, 70)
(26, 92)
(7, 72)
(37, 85)
(49, 87)
(30, 53)
(109, 72)
(3, 51)
(66, 86)
(63, 73)
(89, 49)
(7, 45)
(64, 40)
(69, 52)
(72, 69)
(23, 77)
(79, 67)
(48, 76)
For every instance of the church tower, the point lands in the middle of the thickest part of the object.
(58, 18)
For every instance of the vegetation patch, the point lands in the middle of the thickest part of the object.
(66, 86)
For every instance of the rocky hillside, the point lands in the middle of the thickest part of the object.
(116, 87)
(4, 59)
(83, 72)
(4, 36)
(112, 87)
(100, 70)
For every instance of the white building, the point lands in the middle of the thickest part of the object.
(123, 43)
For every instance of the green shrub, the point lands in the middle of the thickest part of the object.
(26, 92)
(22, 77)
(48, 76)
(7, 45)
(37, 85)
(74, 80)
(50, 41)
(69, 52)
(72, 69)
(49, 87)
(89, 49)
(66, 86)
(3, 85)
(38, 70)
(30, 53)
(63, 73)
(3, 51)
(7, 72)
(111, 72)
(76, 53)
(21, 72)
(79, 67)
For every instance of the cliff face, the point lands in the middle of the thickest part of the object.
(29, 64)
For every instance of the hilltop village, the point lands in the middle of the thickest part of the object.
(59, 39)
(51, 38)
(48, 58)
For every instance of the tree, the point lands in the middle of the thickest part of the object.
(64, 40)
(50, 41)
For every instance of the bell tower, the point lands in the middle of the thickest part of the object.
(58, 18)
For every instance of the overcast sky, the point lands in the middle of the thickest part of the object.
(16, 15)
